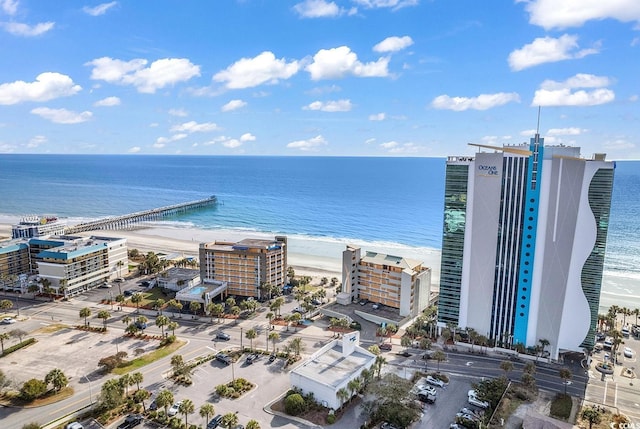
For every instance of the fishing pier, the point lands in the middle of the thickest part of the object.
(129, 220)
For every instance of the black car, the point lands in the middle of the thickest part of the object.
(222, 336)
(272, 358)
(214, 422)
(132, 420)
(128, 293)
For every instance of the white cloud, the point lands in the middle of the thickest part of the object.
(574, 13)
(370, 140)
(619, 144)
(403, 148)
(317, 9)
(159, 74)
(389, 145)
(580, 80)
(339, 62)
(378, 117)
(101, 9)
(330, 106)
(247, 137)
(232, 143)
(162, 141)
(393, 44)
(565, 97)
(194, 127)
(26, 30)
(250, 72)
(310, 145)
(233, 105)
(62, 116)
(134, 149)
(393, 4)
(36, 141)
(547, 50)
(482, 102)
(571, 131)
(10, 7)
(178, 112)
(47, 86)
(553, 93)
(107, 102)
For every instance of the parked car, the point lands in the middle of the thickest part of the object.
(174, 409)
(252, 358)
(628, 353)
(299, 310)
(225, 359)
(131, 421)
(74, 425)
(435, 381)
(426, 397)
(272, 357)
(222, 336)
(214, 422)
(141, 325)
(8, 321)
(427, 389)
(128, 293)
(477, 402)
(387, 425)
(364, 302)
(316, 302)
(375, 306)
(385, 346)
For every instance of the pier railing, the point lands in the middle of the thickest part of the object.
(129, 220)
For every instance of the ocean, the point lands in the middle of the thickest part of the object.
(377, 203)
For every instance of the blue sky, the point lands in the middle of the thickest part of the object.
(318, 77)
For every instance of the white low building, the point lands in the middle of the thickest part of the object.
(332, 368)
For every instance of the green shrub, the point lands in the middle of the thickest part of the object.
(331, 419)
(561, 406)
(294, 404)
(18, 346)
(33, 389)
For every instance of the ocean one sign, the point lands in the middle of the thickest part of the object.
(488, 170)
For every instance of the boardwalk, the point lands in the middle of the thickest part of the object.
(129, 220)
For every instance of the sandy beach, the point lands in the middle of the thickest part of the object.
(311, 256)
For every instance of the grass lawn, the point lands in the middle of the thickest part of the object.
(149, 298)
(149, 358)
(561, 407)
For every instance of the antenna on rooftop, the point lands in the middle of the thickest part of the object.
(538, 126)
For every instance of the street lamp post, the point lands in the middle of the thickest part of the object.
(90, 390)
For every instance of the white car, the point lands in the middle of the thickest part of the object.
(174, 409)
(8, 321)
(435, 381)
(428, 390)
(628, 353)
(477, 402)
(74, 425)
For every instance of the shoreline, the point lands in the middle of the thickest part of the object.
(312, 256)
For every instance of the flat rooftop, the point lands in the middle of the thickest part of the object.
(331, 367)
(245, 244)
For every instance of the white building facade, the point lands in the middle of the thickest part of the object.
(523, 248)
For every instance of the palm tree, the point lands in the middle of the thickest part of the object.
(354, 386)
(125, 382)
(274, 337)
(295, 319)
(565, 375)
(3, 336)
(120, 299)
(229, 420)
(506, 366)
(104, 315)
(173, 326)
(136, 298)
(439, 356)
(591, 415)
(161, 322)
(194, 306)
(141, 322)
(296, 345)
(140, 396)
(380, 360)
(543, 344)
(85, 312)
(57, 379)
(126, 320)
(186, 408)
(253, 424)
(270, 317)
(250, 335)
(137, 378)
(164, 400)
(343, 395)
(207, 410)
(159, 304)
(62, 287)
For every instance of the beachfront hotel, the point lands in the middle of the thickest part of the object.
(76, 264)
(38, 226)
(523, 246)
(393, 281)
(246, 265)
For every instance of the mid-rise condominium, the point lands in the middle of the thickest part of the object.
(523, 247)
(246, 266)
